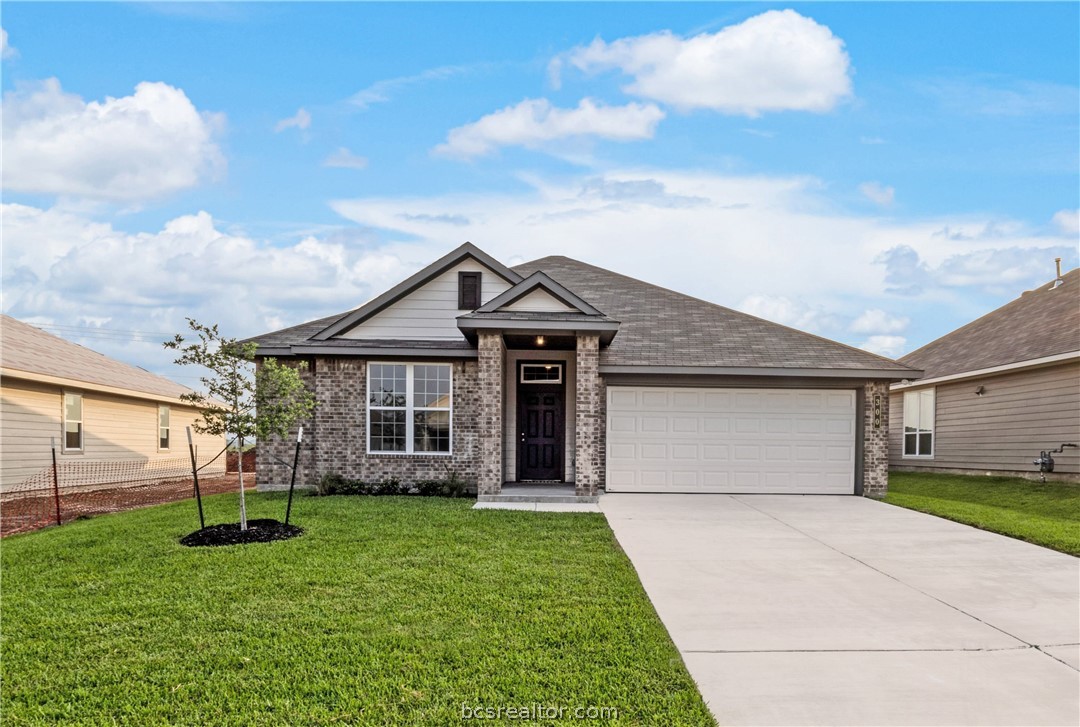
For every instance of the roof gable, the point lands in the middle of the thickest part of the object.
(1040, 323)
(537, 293)
(663, 329)
(453, 259)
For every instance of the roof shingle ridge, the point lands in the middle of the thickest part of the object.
(1044, 288)
(574, 261)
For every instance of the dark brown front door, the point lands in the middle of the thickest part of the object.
(541, 421)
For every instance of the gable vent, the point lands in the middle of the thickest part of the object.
(468, 291)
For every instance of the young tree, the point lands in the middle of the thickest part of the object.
(235, 402)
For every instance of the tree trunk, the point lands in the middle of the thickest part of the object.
(240, 469)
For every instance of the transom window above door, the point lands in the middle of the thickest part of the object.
(547, 373)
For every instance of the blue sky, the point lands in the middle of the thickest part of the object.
(875, 173)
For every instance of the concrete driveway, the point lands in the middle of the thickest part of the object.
(819, 610)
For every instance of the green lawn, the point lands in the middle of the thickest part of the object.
(389, 611)
(1044, 514)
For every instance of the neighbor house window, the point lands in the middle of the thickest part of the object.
(919, 423)
(409, 408)
(73, 422)
(163, 426)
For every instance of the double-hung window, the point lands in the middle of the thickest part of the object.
(73, 422)
(410, 408)
(163, 426)
(919, 423)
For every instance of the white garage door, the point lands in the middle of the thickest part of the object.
(730, 440)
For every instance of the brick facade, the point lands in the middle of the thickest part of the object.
(271, 470)
(589, 460)
(336, 440)
(489, 412)
(876, 439)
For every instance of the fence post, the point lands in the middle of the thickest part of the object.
(195, 476)
(292, 481)
(55, 480)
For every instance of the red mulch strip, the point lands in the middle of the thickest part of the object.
(30, 510)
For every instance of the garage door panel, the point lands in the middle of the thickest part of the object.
(730, 440)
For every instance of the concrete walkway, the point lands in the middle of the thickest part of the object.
(818, 610)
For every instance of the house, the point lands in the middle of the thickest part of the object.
(556, 371)
(94, 408)
(997, 391)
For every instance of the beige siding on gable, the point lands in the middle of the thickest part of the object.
(429, 313)
(114, 428)
(1018, 415)
(540, 301)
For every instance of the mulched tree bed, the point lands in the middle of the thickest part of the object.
(259, 531)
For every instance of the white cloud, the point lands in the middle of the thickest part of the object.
(6, 49)
(992, 95)
(62, 267)
(535, 122)
(383, 91)
(871, 140)
(342, 158)
(876, 320)
(877, 193)
(891, 346)
(783, 310)
(776, 246)
(1068, 221)
(730, 238)
(998, 266)
(147, 145)
(776, 61)
(300, 120)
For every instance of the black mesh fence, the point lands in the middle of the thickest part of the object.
(83, 488)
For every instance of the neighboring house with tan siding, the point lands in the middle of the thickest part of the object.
(997, 391)
(96, 408)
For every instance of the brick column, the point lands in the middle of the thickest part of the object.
(492, 357)
(589, 424)
(876, 440)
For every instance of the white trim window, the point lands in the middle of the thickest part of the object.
(919, 423)
(73, 421)
(410, 408)
(163, 427)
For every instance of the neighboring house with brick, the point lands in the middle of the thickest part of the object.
(996, 392)
(556, 371)
(94, 408)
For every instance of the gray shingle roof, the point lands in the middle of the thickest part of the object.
(659, 327)
(32, 350)
(293, 335)
(1041, 322)
(663, 328)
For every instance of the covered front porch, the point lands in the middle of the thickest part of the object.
(541, 413)
(539, 497)
(541, 416)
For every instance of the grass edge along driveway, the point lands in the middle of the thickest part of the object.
(388, 611)
(1047, 514)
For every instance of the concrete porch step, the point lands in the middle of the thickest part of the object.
(570, 498)
(546, 493)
